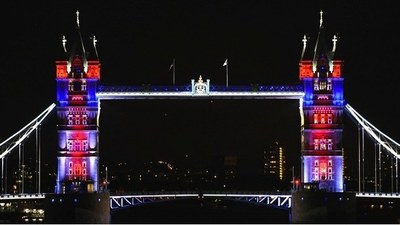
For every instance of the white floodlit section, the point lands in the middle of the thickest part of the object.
(374, 132)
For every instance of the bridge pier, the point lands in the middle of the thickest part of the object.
(77, 208)
(323, 207)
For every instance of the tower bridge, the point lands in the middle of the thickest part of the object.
(321, 104)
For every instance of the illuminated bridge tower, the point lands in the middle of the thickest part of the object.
(77, 110)
(77, 198)
(322, 126)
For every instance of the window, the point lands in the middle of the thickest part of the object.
(330, 144)
(70, 172)
(77, 120)
(329, 170)
(84, 145)
(84, 119)
(77, 145)
(316, 144)
(69, 145)
(316, 85)
(70, 86)
(322, 145)
(84, 164)
(322, 85)
(83, 87)
(330, 163)
(316, 163)
(323, 118)
(329, 86)
(330, 177)
(84, 172)
(329, 118)
(70, 164)
(70, 120)
(77, 169)
(315, 118)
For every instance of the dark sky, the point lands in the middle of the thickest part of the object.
(137, 41)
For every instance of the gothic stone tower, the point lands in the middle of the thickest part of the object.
(322, 126)
(77, 198)
(77, 110)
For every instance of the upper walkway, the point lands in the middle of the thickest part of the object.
(202, 90)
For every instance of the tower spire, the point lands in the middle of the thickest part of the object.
(320, 18)
(77, 18)
(64, 40)
(304, 46)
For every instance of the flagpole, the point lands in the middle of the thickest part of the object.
(173, 72)
(227, 64)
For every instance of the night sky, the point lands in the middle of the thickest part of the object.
(137, 41)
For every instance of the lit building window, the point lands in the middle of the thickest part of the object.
(329, 144)
(77, 145)
(70, 120)
(70, 86)
(69, 145)
(77, 169)
(316, 85)
(316, 163)
(316, 144)
(84, 145)
(323, 118)
(315, 118)
(322, 85)
(84, 119)
(330, 163)
(329, 86)
(330, 177)
(330, 118)
(77, 120)
(83, 87)
(322, 144)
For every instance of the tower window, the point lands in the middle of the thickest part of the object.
(315, 118)
(70, 120)
(329, 118)
(322, 145)
(69, 145)
(84, 145)
(83, 86)
(84, 119)
(316, 144)
(329, 86)
(316, 88)
(330, 145)
(323, 118)
(322, 85)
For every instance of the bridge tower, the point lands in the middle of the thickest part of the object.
(77, 111)
(77, 198)
(321, 116)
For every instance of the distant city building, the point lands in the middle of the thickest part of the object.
(275, 162)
